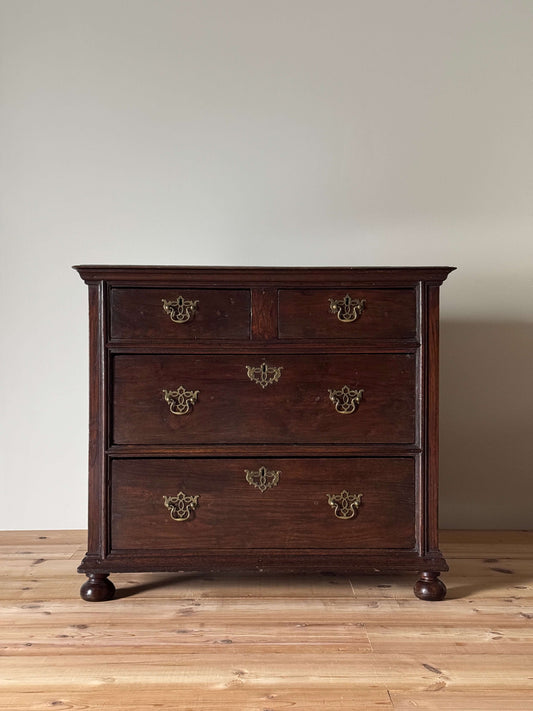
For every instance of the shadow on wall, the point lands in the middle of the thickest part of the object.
(486, 425)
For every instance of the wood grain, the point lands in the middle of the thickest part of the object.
(232, 409)
(141, 521)
(267, 643)
(138, 314)
(387, 314)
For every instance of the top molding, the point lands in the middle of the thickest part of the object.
(264, 276)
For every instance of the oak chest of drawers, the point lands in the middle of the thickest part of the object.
(266, 419)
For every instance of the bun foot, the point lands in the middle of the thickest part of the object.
(98, 588)
(430, 587)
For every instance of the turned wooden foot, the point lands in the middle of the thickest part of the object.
(98, 588)
(430, 587)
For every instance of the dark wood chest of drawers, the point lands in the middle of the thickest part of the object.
(265, 419)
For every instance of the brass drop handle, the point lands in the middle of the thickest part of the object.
(181, 507)
(180, 401)
(345, 505)
(180, 310)
(264, 374)
(346, 400)
(347, 309)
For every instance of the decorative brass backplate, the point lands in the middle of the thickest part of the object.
(180, 400)
(346, 400)
(345, 505)
(262, 479)
(180, 310)
(264, 374)
(181, 507)
(347, 309)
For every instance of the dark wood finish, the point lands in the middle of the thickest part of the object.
(261, 277)
(263, 348)
(388, 313)
(97, 588)
(431, 371)
(138, 314)
(140, 452)
(293, 514)
(312, 560)
(264, 314)
(121, 451)
(98, 423)
(430, 587)
(233, 409)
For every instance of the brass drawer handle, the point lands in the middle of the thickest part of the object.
(347, 309)
(262, 479)
(345, 505)
(180, 310)
(181, 507)
(264, 374)
(180, 401)
(346, 400)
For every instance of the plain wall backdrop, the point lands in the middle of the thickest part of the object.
(268, 132)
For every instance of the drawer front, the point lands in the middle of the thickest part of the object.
(347, 313)
(172, 399)
(211, 504)
(179, 314)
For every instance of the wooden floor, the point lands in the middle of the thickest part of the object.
(267, 643)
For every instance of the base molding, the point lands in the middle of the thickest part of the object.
(428, 586)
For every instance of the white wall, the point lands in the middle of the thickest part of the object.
(268, 132)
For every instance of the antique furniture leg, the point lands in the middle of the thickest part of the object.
(430, 587)
(98, 588)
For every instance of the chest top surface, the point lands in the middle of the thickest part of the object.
(262, 275)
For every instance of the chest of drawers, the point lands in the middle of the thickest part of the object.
(263, 419)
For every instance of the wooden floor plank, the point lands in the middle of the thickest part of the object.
(451, 638)
(219, 668)
(480, 700)
(169, 696)
(43, 538)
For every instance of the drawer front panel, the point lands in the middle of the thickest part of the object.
(326, 313)
(219, 403)
(179, 314)
(231, 513)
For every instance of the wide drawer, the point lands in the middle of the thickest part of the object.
(173, 504)
(173, 399)
(347, 313)
(179, 314)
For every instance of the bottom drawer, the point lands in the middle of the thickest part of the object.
(265, 504)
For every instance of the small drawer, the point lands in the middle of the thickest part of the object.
(347, 313)
(177, 314)
(250, 399)
(245, 504)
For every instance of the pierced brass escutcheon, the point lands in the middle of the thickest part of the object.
(347, 309)
(264, 374)
(262, 479)
(345, 505)
(346, 400)
(180, 400)
(181, 507)
(180, 310)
